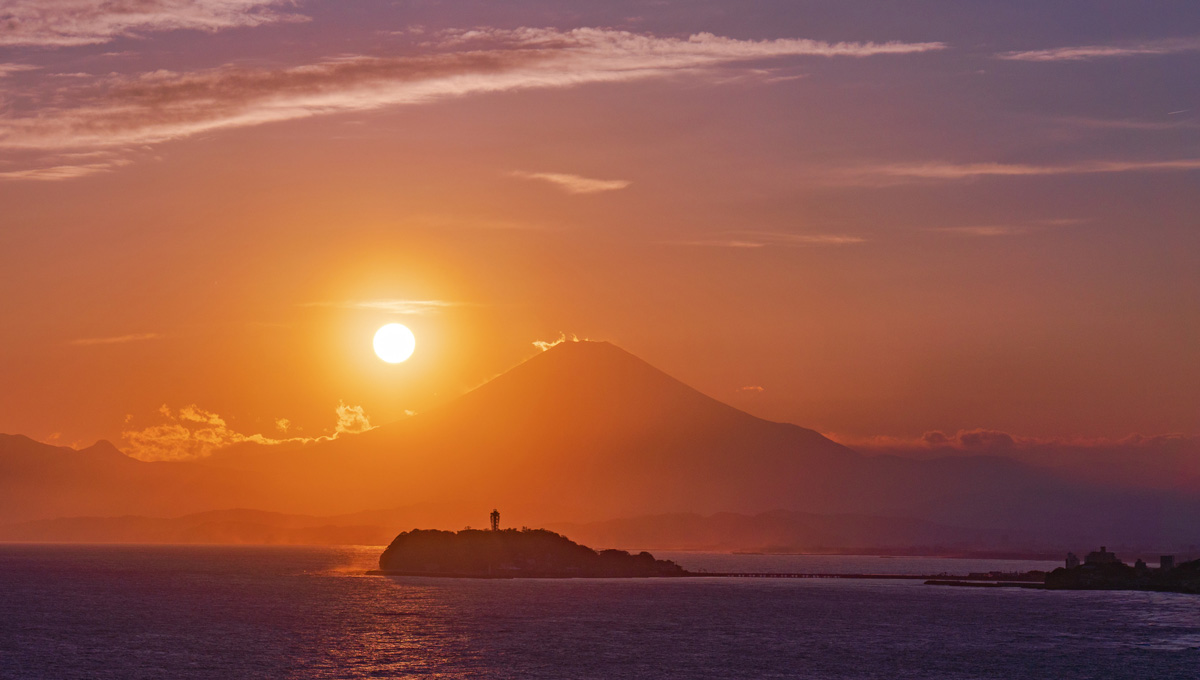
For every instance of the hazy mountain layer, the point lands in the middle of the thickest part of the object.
(586, 432)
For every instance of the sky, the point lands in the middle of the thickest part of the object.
(874, 219)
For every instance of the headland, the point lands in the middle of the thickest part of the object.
(1101, 570)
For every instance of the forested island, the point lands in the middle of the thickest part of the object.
(513, 553)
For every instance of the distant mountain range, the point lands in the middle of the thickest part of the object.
(572, 439)
(776, 531)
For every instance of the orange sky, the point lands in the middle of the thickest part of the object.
(890, 221)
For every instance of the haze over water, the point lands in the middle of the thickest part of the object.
(220, 612)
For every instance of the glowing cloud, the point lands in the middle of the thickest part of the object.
(192, 432)
(351, 420)
(562, 337)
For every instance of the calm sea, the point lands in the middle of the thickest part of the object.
(254, 612)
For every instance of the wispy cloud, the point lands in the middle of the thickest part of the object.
(192, 433)
(390, 306)
(59, 23)
(908, 172)
(1088, 52)
(115, 340)
(574, 184)
(1119, 124)
(123, 111)
(55, 173)
(8, 69)
(986, 230)
(449, 221)
(763, 239)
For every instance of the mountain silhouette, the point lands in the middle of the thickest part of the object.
(584, 430)
(584, 433)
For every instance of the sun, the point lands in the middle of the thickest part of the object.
(394, 343)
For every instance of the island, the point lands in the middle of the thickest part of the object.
(513, 553)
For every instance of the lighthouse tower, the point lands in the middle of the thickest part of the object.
(495, 520)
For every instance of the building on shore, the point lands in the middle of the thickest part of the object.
(1102, 570)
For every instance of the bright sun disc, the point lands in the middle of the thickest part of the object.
(394, 343)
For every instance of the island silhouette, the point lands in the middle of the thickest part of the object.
(513, 553)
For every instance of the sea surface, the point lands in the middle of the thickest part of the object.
(69, 611)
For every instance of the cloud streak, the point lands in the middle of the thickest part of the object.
(9, 69)
(1090, 52)
(125, 111)
(62, 23)
(574, 184)
(115, 340)
(898, 173)
(1148, 125)
(982, 230)
(55, 173)
(986, 230)
(763, 239)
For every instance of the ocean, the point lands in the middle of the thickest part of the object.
(70, 611)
